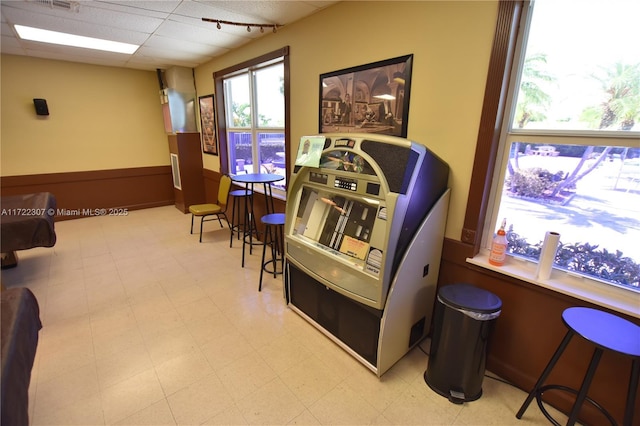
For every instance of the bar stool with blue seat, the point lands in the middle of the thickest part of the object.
(273, 238)
(607, 332)
(250, 229)
(237, 228)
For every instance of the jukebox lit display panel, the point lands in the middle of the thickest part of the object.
(364, 232)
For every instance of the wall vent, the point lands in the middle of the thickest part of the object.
(73, 6)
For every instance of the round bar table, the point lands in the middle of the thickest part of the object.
(250, 180)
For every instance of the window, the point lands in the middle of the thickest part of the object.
(253, 124)
(569, 156)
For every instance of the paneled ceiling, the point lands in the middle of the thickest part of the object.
(169, 32)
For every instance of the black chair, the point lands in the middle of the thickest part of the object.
(608, 333)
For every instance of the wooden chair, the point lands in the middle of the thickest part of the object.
(210, 211)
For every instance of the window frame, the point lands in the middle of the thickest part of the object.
(478, 221)
(221, 117)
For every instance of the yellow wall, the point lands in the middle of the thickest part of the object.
(108, 118)
(100, 118)
(451, 43)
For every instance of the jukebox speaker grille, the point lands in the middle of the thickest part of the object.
(396, 162)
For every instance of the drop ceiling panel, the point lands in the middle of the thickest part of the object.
(170, 32)
(173, 45)
(86, 15)
(210, 36)
(72, 26)
(274, 12)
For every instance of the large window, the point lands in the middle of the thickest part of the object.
(569, 158)
(253, 124)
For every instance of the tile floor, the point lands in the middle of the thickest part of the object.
(142, 325)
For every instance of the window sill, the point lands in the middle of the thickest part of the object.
(611, 297)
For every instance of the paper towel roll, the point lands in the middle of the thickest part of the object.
(547, 255)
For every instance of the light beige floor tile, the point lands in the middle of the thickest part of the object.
(226, 349)
(116, 340)
(98, 264)
(259, 332)
(419, 405)
(110, 293)
(64, 304)
(149, 302)
(82, 412)
(229, 416)
(379, 392)
(102, 278)
(158, 414)
(183, 292)
(182, 371)
(200, 401)
(245, 375)
(412, 366)
(144, 325)
(122, 365)
(271, 404)
(111, 320)
(170, 344)
(305, 418)
(197, 309)
(66, 359)
(343, 405)
(65, 390)
(284, 352)
(310, 380)
(130, 396)
(159, 322)
(62, 334)
(210, 327)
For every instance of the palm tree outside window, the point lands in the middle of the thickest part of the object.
(570, 158)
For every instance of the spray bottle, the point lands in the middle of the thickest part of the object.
(499, 244)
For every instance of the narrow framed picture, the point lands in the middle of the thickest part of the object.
(368, 98)
(208, 125)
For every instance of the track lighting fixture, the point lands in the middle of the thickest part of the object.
(220, 22)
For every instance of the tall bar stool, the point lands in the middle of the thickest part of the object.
(608, 333)
(273, 238)
(237, 228)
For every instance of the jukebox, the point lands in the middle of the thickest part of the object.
(364, 232)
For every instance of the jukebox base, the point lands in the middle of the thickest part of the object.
(378, 338)
(352, 323)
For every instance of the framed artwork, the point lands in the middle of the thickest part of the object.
(208, 125)
(371, 98)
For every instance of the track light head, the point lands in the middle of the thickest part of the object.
(219, 23)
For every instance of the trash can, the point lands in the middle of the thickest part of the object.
(463, 319)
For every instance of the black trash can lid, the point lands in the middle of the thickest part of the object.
(467, 297)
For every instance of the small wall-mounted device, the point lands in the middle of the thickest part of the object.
(41, 106)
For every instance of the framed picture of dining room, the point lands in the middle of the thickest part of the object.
(370, 98)
(208, 125)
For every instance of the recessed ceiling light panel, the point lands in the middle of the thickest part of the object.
(54, 37)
